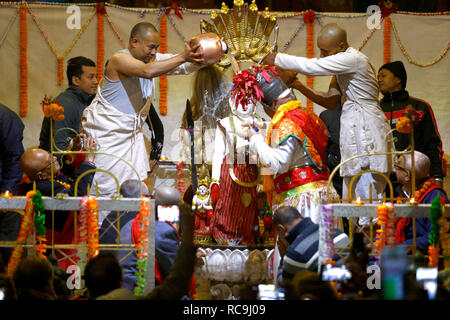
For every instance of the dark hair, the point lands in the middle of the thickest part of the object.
(285, 215)
(102, 274)
(140, 28)
(131, 189)
(33, 273)
(75, 67)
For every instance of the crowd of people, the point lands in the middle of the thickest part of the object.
(297, 147)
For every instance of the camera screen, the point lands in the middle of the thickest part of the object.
(169, 213)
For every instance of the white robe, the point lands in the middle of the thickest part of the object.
(121, 135)
(363, 124)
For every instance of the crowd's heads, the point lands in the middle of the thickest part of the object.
(144, 41)
(82, 73)
(392, 77)
(33, 278)
(331, 40)
(167, 196)
(307, 285)
(102, 274)
(133, 188)
(403, 167)
(36, 164)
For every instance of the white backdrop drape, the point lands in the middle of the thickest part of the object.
(424, 38)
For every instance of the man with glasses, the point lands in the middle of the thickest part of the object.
(424, 191)
(38, 164)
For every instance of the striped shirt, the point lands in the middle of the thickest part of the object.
(303, 252)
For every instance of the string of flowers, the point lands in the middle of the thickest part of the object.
(326, 227)
(26, 228)
(178, 32)
(292, 37)
(309, 18)
(8, 27)
(180, 175)
(163, 85)
(88, 229)
(371, 32)
(114, 29)
(23, 63)
(385, 232)
(445, 238)
(100, 11)
(141, 245)
(433, 237)
(411, 60)
(39, 222)
(387, 40)
(60, 58)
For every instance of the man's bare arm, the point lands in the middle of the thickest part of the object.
(329, 100)
(125, 64)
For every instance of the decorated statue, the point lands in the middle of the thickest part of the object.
(201, 205)
(235, 176)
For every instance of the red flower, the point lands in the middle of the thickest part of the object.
(387, 7)
(176, 9)
(100, 8)
(309, 16)
(267, 220)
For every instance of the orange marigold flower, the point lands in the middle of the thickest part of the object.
(404, 125)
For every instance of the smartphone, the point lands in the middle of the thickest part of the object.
(394, 266)
(270, 292)
(428, 277)
(337, 274)
(169, 213)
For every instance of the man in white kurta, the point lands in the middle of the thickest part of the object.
(118, 112)
(364, 128)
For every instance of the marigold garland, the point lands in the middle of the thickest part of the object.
(23, 95)
(142, 245)
(88, 229)
(433, 237)
(180, 175)
(385, 232)
(387, 40)
(403, 125)
(100, 11)
(309, 18)
(163, 84)
(25, 230)
(60, 58)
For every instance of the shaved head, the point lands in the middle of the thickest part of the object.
(142, 29)
(35, 163)
(334, 32)
(331, 40)
(421, 164)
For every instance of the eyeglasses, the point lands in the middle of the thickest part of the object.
(401, 168)
(49, 164)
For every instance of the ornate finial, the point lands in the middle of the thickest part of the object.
(238, 2)
(224, 8)
(253, 6)
(213, 14)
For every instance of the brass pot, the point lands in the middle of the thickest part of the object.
(211, 45)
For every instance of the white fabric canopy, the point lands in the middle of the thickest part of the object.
(424, 37)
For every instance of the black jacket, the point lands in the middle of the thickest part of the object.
(11, 148)
(74, 101)
(426, 135)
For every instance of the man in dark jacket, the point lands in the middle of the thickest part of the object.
(82, 78)
(299, 242)
(11, 148)
(392, 81)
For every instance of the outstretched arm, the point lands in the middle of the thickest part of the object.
(329, 100)
(125, 64)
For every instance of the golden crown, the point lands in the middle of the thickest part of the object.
(245, 31)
